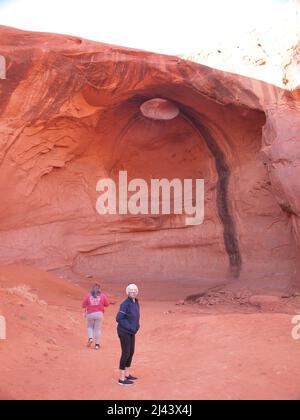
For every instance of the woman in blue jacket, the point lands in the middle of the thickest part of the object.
(128, 320)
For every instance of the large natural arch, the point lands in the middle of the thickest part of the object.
(83, 121)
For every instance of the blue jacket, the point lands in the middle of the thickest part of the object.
(128, 317)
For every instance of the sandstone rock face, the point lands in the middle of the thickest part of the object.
(74, 111)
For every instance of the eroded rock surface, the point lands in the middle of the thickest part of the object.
(71, 114)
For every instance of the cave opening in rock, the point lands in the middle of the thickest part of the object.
(159, 109)
(154, 119)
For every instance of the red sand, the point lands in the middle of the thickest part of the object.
(181, 354)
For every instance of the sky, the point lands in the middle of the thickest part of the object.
(163, 26)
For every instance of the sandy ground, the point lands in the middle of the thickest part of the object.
(182, 352)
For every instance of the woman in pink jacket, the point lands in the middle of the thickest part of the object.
(94, 304)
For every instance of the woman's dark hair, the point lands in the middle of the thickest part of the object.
(95, 292)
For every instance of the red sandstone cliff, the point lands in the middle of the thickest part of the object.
(70, 115)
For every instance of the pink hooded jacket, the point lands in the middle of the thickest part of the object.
(98, 304)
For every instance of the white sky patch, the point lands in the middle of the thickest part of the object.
(164, 26)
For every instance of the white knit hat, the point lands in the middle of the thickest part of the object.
(132, 288)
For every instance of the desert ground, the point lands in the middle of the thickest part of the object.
(217, 350)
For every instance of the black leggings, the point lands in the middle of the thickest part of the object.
(128, 347)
